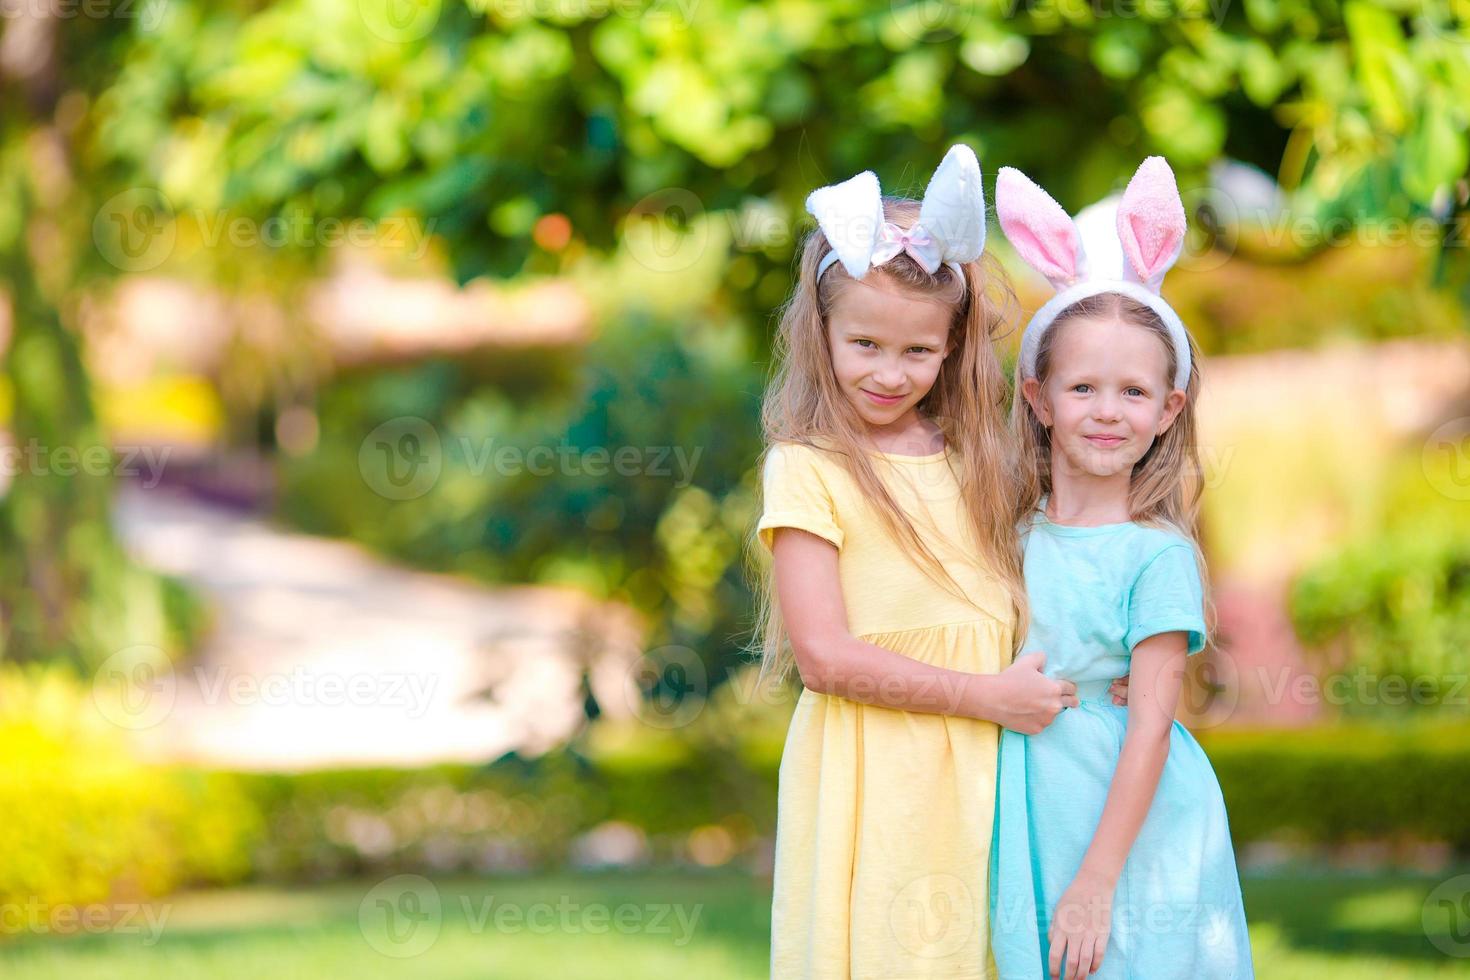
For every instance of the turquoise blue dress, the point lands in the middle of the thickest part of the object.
(1095, 593)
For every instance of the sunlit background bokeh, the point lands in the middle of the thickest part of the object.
(380, 411)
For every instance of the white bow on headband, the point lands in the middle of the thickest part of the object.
(950, 229)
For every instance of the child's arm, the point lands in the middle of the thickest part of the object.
(832, 661)
(1079, 931)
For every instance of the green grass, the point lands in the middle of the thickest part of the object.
(686, 926)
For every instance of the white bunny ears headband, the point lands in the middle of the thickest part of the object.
(950, 229)
(1118, 245)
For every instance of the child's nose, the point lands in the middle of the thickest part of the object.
(1106, 408)
(889, 375)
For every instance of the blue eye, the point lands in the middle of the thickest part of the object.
(1081, 387)
(1137, 392)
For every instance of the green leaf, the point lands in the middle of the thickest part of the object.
(1435, 154)
(1382, 63)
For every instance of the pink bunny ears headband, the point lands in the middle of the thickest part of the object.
(1118, 245)
(950, 229)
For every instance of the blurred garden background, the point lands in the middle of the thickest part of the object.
(379, 415)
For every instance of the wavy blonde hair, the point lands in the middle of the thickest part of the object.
(1167, 481)
(803, 404)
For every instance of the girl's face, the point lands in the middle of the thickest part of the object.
(1108, 395)
(887, 348)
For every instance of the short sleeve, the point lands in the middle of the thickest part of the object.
(1166, 597)
(795, 495)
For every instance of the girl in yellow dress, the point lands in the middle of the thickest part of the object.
(895, 586)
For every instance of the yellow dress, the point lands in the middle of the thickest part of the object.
(884, 817)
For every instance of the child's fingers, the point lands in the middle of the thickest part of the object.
(1074, 956)
(1095, 954)
(1084, 958)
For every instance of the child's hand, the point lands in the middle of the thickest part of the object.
(1119, 691)
(1080, 926)
(1028, 699)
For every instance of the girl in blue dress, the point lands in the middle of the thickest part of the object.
(1111, 851)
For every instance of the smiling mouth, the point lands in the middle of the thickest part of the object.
(1105, 440)
(882, 399)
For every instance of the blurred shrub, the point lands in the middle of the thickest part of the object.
(1239, 304)
(1395, 603)
(514, 815)
(527, 488)
(1344, 783)
(87, 821)
(1328, 786)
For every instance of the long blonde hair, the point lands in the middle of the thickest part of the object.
(1167, 482)
(803, 404)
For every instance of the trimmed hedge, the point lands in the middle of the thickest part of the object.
(1320, 786)
(1346, 783)
(88, 822)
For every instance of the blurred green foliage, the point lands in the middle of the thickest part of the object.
(707, 122)
(87, 820)
(530, 488)
(90, 820)
(1321, 787)
(485, 116)
(1395, 601)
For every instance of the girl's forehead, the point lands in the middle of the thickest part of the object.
(1108, 343)
(893, 312)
